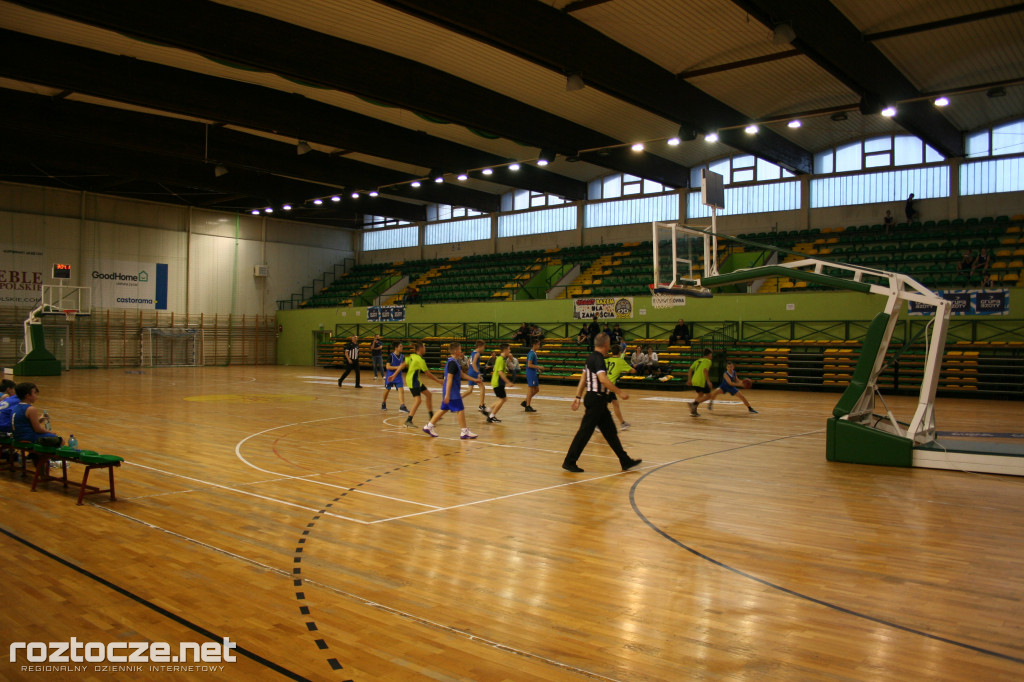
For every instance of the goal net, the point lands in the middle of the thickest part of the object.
(171, 347)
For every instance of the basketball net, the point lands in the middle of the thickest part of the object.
(69, 315)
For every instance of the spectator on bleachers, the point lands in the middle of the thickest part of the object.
(592, 331)
(27, 419)
(911, 212)
(653, 366)
(522, 334)
(982, 263)
(966, 264)
(584, 335)
(888, 221)
(617, 336)
(680, 333)
(640, 361)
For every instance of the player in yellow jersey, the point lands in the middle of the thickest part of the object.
(416, 366)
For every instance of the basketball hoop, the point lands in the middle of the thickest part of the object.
(673, 296)
(69, 315)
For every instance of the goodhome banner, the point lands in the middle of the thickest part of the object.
(128, 284)
(969, 302)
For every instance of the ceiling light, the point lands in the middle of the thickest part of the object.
(268, 209)
(542, 162)
(996, 92)
(437, 175)
(839, 116)
(751, 129)
(302, 147)
(673, 141)
(546, 157)
(374, 193)
(513, 166)
(942, 101)
(335, 198)
(795, 123)
(638, 147)
(255, 211)
(415, 183)
(463, 176)
(439, 179)
(317, 202)
(487, 171)
(889, 112)
(574, 82)
(219, 170)
(355, 195)
(287, 207)
(711, 137)
(783, 34)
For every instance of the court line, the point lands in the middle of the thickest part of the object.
(241, 492)
(153, 607)
(420, 620)
(786, 590)
(238, 453)
(504, 497)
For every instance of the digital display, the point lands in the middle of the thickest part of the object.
(61, 271)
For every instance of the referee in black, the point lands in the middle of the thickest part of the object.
(352, 357)
(599, 389)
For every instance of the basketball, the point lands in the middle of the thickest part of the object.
(747, 383)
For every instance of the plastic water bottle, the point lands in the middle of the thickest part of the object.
(46, 420)
(73, 442)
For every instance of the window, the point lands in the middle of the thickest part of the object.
(376, 221)
(875, 152)
(375, 240)
(455, 231)
(537, 222)
(848, 157)
(978, 144)
(907, 150)
(761, 198)
(631, 211)
(991, 176)
(1008, 139)
(740, 168)
(437, 212)
(887, 186)
(622, 185)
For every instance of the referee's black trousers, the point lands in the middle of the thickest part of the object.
(351, 366)
(596, 416)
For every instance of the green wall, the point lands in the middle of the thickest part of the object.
(295, 343)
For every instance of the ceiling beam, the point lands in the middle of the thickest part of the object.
(197, 141)
(826, 36)
(258, 41)
(944, 23)
(546, 36)
(132, 81)
(263, 189)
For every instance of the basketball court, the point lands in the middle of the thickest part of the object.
(266, 505)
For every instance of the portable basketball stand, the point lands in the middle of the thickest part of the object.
(855, 433)
(71, 302)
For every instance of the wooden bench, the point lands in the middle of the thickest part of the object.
(42, 455)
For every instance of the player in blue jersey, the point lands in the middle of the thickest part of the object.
(451, 393)
(532, 375)
(475, 372)
(394, 362)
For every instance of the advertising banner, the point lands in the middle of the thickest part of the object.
(970, 302)
(386, 313)
(618, 307)
(128, 284)
(21, 276)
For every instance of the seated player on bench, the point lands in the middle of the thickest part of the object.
(27, 419)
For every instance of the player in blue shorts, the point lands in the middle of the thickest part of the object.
(451, 393)
(394, 362)
(532, 376)
(731, 384)
(474, 372)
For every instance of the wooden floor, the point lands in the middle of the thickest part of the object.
(267, 505)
